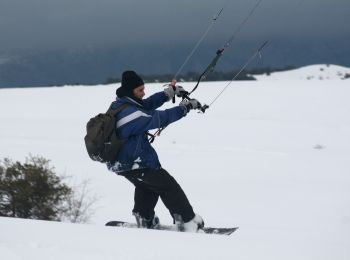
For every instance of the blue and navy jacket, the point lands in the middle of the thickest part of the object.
(132, 124)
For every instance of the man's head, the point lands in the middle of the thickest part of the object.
(139, 92)
(132, 85)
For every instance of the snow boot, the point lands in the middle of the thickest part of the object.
(146, 223)
(194, 225)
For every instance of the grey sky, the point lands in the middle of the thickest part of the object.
(55, 24)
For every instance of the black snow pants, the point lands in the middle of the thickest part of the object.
(150, 184)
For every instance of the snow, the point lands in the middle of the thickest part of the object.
(271, 157)
(312, 72)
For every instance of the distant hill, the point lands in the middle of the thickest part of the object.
(155, 63)
(312, 72)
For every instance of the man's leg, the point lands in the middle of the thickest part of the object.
(152, 183)
(170, 192)
(145, 200)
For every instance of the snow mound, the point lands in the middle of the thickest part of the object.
(312, 72)
(41, 240)
(268, 157)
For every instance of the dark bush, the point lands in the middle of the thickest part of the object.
(33, 190)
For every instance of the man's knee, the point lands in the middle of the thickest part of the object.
(168, 181)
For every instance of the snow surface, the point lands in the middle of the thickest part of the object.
(312, 72)
(271, 157)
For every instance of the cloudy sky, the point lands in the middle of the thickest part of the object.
(67, 41)
(52, 24)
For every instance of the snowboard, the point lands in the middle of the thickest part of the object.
(206, 230)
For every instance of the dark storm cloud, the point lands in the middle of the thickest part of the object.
(55, 42)
(52, 24)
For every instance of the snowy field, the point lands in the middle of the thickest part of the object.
(270, 156)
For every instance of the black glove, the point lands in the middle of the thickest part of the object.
(171, 91)
(180, 91)
(190, 104)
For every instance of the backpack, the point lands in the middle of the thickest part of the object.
(101, 140)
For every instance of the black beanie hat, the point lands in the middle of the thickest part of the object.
(130, 81)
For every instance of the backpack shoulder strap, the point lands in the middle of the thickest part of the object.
(113, 112)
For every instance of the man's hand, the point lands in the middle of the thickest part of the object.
(171, 91)
(190, 104)
(180, 91)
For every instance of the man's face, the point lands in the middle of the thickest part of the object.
(139, 92)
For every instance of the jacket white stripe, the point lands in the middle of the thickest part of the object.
(131, 117)
(137, 103)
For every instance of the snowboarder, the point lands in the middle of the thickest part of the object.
(138, 162)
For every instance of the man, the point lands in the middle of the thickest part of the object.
(138, 162)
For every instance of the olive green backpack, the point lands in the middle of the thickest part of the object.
(101, 140)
